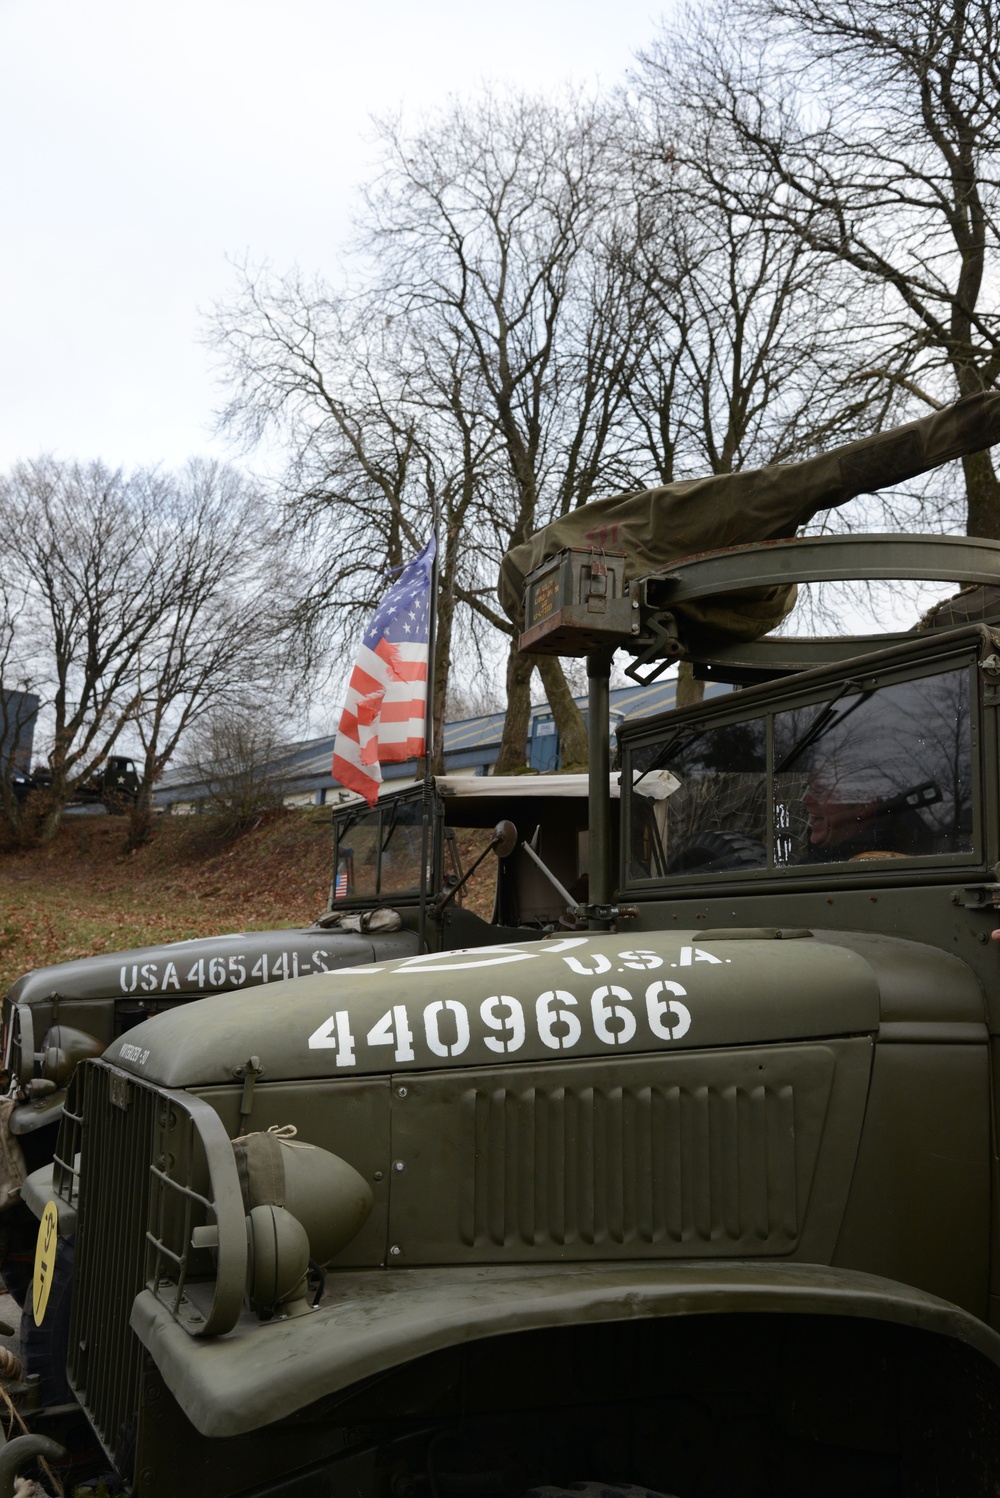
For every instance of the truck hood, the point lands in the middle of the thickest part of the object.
(568, 998)
(203, 963)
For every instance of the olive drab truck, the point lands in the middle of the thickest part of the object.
(114, 785)
(694, 1195)
(388, 898)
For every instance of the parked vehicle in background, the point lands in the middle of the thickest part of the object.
(114, 786)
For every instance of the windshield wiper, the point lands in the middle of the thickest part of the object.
(824, 720)
(683, 737)
(344, 824)
(393, 819)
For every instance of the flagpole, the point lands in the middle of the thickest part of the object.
(426, 839)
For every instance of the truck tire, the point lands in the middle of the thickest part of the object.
(44, 1348)
(711, 852)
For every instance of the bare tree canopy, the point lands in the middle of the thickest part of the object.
(381, 435)
(881, 123)
(748, 337)
(132, 602)
(223, 637)
(781, 236)
(481, 372)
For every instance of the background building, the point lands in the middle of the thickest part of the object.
(471, 747)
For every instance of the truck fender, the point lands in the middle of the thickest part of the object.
(379, 1320)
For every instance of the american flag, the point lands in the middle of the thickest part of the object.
(383, 717)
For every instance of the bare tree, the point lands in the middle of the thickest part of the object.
(74, 551)
(488, 223)
(238, 760)
(481, 374)
(381, 435)
(882, 125)
(133, 602)
(222, 634)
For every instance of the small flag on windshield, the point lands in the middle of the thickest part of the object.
(383, 721)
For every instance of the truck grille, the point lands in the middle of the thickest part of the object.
(160, 1210)
(117, 1119)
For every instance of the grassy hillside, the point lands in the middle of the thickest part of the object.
(83, 895)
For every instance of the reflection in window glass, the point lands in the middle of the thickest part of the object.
(880, 774)
(701, 805)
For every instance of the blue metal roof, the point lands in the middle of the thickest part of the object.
(468, 743)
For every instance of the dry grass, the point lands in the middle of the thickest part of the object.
(83, 895)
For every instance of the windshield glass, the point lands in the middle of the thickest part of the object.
(863, 774)
(377, 852)
(704, 805)
(889, 776)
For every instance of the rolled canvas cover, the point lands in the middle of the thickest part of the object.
(657, 527)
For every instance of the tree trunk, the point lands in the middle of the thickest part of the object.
(689, 691)
(568, 718)
(983, 493)
(140, 818)
(514, 744)
(51, 815)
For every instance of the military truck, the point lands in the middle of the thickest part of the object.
(699, 1200)
(387, 899)
(114, 786)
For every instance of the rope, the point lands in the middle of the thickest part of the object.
(286, 1133)
(59, 1490)
(10, 1364)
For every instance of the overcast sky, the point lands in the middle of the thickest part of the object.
(144, 144)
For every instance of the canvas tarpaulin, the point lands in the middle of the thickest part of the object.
(657, 527)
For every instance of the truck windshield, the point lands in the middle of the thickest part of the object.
(377, 852)
(889, 777)
(705, 806)
(867, 774)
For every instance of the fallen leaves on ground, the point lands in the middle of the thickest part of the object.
(83, 894)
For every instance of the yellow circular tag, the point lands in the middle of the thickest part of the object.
(45, 1260)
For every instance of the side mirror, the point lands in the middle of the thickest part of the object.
(504, 839)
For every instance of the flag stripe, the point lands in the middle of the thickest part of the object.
(386, 699)
(402, 712)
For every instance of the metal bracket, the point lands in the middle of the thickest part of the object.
(990, 668)
(977, 897)
(665, 648)
(612, 912)
(249, 1071)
